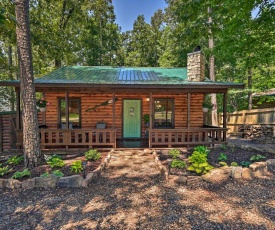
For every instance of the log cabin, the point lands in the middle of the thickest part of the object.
(99, 107)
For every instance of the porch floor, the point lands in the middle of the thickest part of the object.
(132, 143)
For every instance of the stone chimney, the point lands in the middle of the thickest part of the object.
(195, 66)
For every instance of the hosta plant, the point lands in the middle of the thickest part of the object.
(76, 166)
(178, 164)
(19, 175)
(92, 154)
(55, 161)
(257, 157)
(222, 157)
(15, 160)
(4, 170)
(202, 149)
(199, 164)
(174, 153)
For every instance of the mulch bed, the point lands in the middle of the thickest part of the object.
(234, 154)
(66, 170)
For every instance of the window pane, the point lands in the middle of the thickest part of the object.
(163, 116)
(74, 113)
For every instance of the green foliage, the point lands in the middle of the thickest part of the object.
(146, 118)
(178, 164)
(223, 163)
(202, 149)
(19, 175)
(222, 157)
(76, 166)
(174, 153)
(55, 161)
(245, 164)
(44, 175)
(15, 160)
(257, 157)
(4, 170)
(199, 163)
(234, 163)
(92, 154)
(224, 147)
(55, 172)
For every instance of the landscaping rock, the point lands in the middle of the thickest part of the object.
(194, 180)
(218, 175)
(3, 183)
(28, 184)
(14, 184)
(85, 183)
(236, 172)
(148, 151)
(259, 169)
(46, 182)
(247, 174)
(74, 181)
(181, 180)
(271, 165)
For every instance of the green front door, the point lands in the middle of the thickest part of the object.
(131, 118)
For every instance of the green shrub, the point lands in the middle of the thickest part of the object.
(199, 164)
(234, 163)
(202, 149)
(178, 164)
(55, 161)
(223, 163)
(174, 153)
(257, 157)
(4, 170)
(245, 163)
(18, 174)
(15, 160)
(92, 154)
(77, 166)
(56, 173)
(222, 157)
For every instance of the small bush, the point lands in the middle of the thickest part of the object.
(202, 149)
(257, 157)
(174, 153)
(199, 164)
(15, 160)
(92, 154)
(178, 164)
(44, 175)
(222, 157)
(58, 173)
(223, 163)
(77, 166)
(4, 170)
(234, 163)
(55, 161)
(245, 163)
(18, 174)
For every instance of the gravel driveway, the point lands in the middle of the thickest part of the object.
(132, 195)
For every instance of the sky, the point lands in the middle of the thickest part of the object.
(127, 11)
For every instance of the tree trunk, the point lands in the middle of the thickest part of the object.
(31, 143)
(249, 85)
(212, 72)
(12, 93)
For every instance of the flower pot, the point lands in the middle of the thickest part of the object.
(42, 109)
(205, 110)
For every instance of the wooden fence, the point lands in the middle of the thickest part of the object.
(252, 117)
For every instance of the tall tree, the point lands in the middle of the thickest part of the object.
(31, 143)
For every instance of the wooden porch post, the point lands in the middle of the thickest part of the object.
(67, 109)
(18, 120)
(224, 114)
(151, 120)
(114, 116)
(188, 110)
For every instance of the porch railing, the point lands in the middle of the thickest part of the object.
(186, 137)
(65, 138)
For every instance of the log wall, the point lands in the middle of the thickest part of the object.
(105, 113)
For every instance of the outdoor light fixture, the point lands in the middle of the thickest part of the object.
(169, 165)
(147, 99)
(84, 164)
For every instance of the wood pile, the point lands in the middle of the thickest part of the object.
(259, 133)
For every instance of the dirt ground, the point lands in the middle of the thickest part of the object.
(131, 194)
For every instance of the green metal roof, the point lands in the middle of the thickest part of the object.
(115, 75)
(101, 75)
